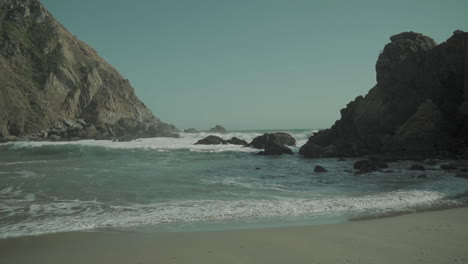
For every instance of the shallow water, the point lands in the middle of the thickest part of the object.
(167, 184)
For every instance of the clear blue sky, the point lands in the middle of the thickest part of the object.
(250, 64)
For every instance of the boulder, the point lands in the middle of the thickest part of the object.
(273, 147)
(236, 141)
(280, 137)
(211, 140)
(319, 169)
(218, 129)
(417, 167)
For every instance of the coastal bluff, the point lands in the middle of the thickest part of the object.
(419, 106)
(55, 87)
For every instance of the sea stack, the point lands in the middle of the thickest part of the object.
(54, 86)
(419, 106)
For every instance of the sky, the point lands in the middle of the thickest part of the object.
(251, 64)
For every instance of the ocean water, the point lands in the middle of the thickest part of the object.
(168, 184)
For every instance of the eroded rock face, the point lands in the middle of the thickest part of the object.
(281, 137)
(419, 105)
(49, 77)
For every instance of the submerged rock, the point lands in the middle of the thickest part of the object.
(319, 169)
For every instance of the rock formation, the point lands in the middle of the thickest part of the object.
(419, 106)
(281, 137)
(215, 140)
(211, 140)
(218, 129)
(54, 86)
(274, 147)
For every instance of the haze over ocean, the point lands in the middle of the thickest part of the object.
(251, 64)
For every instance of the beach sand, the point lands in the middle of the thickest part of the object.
(428, 237)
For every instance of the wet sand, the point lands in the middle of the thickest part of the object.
(428, 237)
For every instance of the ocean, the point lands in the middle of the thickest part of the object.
(171, 185)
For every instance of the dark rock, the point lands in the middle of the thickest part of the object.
(218, 129)
(257, 168)
(448, 166)
(274, 147)
(369, 165)
(237, 141)
(464, 170)
(312, 150)
(422, 176)
(417, 167)
(281, 137)
(319, 169)
(419, 106)
(431, 162)
(191, 130)
(211, 140)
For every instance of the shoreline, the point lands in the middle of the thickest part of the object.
(423, 237)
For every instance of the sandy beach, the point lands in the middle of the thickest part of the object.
(428, 237)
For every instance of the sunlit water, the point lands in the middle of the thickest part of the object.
(168, 184)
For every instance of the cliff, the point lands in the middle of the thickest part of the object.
(419, 105)
(54, 86)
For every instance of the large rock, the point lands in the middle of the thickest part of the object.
(419, 106)
(282, 138)
(273, 147)
(211, 140)
(50, 79)
(218, 129)
(236, 141)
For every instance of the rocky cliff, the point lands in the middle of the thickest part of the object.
(54, 86)
(419, 105)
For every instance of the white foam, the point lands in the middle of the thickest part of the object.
(75, 215)
(186, 141)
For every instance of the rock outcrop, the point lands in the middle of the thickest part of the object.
(215, 140)
(218, 129)
(419, 106)
(236, 141)
(211, 140)
(54, 86)
(282, 138)
(274, 147)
